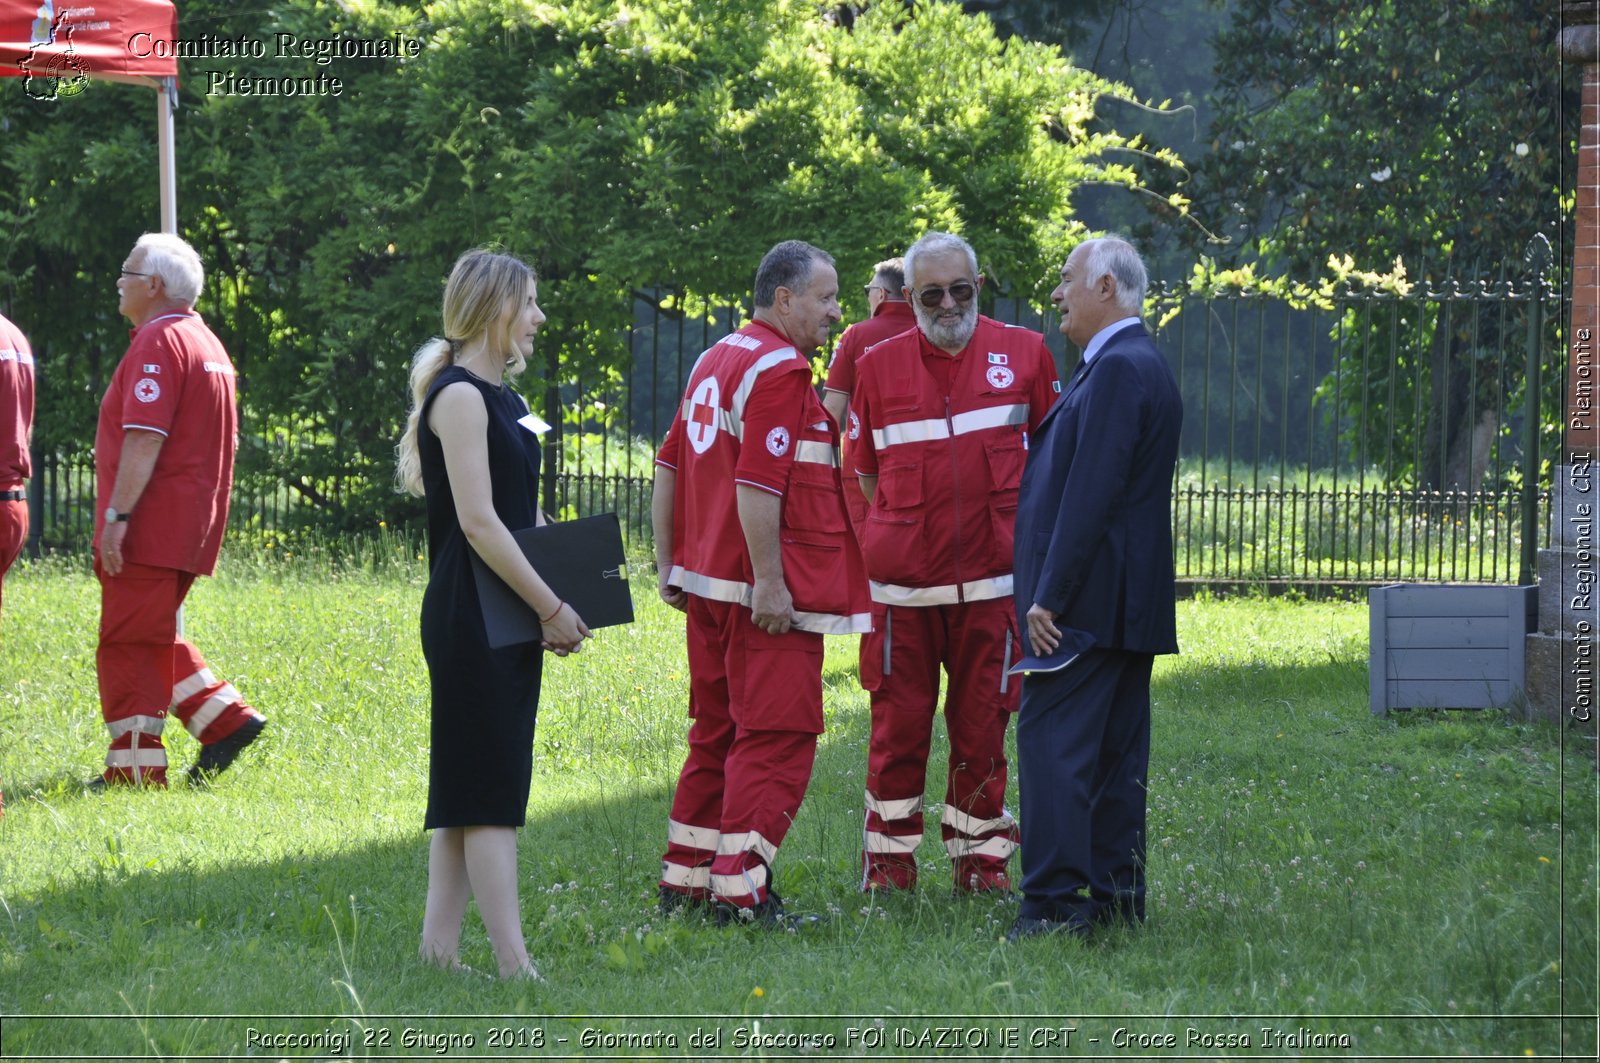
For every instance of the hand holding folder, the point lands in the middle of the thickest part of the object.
(583, 563)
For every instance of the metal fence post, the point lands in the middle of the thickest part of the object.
(1538, 255)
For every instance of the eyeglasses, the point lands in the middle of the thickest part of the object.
(960, 291)
(136, 273)
(870, 288)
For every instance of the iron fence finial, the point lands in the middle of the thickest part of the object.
(1539, 255)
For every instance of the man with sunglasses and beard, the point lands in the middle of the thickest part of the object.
(938, 438)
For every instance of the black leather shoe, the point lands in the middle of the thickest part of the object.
(1029, 927)
(100, 784)
(768, 915)
(998, 896)
(218, 756)
(670, 901)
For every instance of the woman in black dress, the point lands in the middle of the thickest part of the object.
(470, 451)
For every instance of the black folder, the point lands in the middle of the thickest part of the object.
(583, 563)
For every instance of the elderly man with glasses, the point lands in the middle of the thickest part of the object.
(163, 455)
(939, 422)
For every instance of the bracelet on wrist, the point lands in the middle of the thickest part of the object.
(560, 605)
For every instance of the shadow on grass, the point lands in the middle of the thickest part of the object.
(265, 902)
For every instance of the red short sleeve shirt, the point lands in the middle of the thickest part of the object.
(890, 319)
(16, 406)
(176, 380)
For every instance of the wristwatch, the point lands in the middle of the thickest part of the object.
(113, 517)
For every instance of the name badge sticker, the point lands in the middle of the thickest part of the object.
(534, 423)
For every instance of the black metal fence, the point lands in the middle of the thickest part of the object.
(1375, 437)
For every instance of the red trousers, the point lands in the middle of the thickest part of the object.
(13, 534)
(756, 702)
(146, 670)
(975, 642)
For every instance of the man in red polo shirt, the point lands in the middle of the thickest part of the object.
(890, 315)
(164, 470)
(753, 543)
(941, 416)
(16, 427)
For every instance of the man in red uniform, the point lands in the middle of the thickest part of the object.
(890, 316)
(164, 470)
(753, 543)
(16, 428)
(942, 413)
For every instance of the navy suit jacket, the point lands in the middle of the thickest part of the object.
(1094, 515)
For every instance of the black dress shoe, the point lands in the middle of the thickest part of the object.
(997, 896)
(768, 915)
(669, 900)
(100, 784)
(218, 756)
(1029, 927)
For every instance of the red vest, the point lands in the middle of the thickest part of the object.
(751, 416)
(948, 463)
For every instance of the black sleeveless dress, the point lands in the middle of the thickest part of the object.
(480, 761)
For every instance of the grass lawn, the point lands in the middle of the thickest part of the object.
(1322, 883)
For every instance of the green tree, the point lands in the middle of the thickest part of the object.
(619, 146)
(1161, 49)
(1436, 132)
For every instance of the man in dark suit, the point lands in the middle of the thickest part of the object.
(1094, 567)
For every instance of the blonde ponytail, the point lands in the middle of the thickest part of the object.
(483, 293)
(431, 359)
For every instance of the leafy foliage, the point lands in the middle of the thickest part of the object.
(1426, 129)
(618, 146)
(1434, 132)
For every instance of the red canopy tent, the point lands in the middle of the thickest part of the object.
(57, 47)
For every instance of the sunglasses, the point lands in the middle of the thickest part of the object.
(960, 291)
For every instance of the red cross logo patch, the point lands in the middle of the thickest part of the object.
(1000, 377)
(147, 390)
(700, 421)
(778, 441)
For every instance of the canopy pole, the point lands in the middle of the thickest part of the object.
(166, 101)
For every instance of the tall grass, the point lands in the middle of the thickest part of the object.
(1422, 884)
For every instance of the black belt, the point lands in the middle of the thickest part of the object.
(13, 496)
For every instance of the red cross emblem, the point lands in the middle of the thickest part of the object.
(701, 419)
(147, 390)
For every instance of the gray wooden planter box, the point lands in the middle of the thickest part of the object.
(1449, 647)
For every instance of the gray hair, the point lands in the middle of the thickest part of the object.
(893, 271)
(176, 263)
(787, 265)
(1115, 255)
(936, 243)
